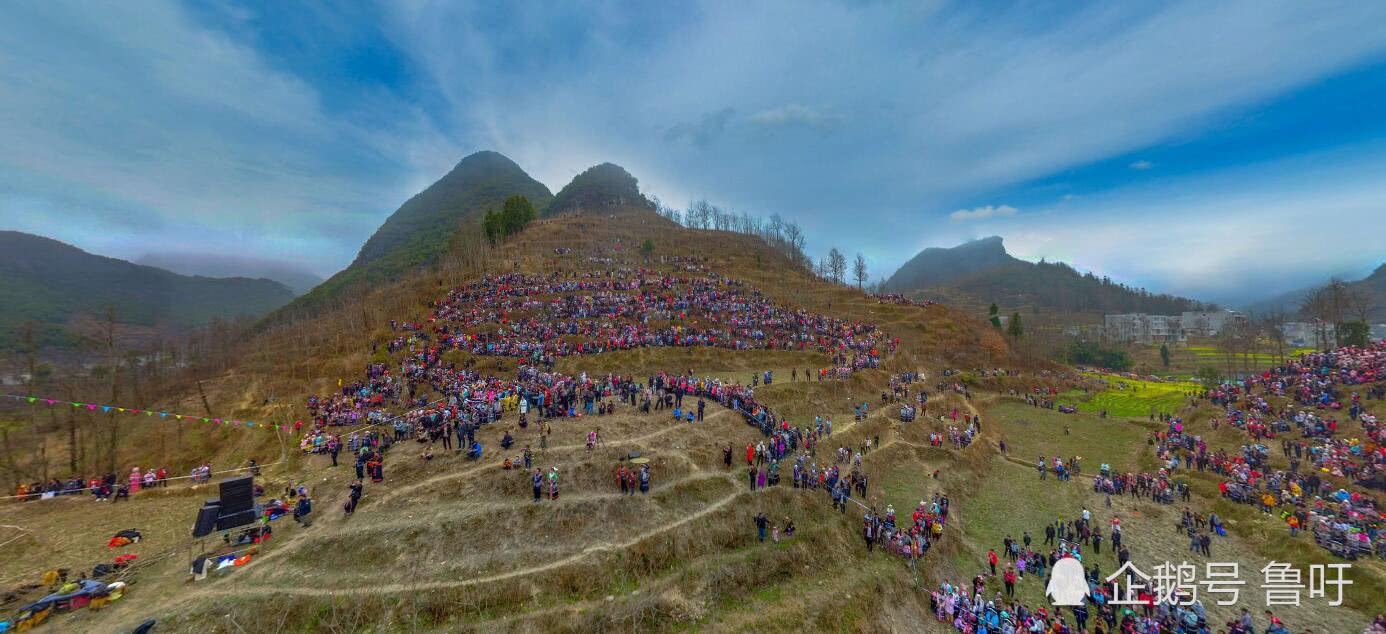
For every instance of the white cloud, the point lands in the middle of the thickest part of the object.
(140, 129)
(1141, 165)
(141, 117)
(982, 213)
(1278, 247)
(930, 103)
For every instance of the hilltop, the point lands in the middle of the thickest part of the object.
(54, 283)
(417, 234)
(937, 265)
(982, 272)
(599, 187)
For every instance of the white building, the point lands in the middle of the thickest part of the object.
(1305, 334)
(1209, 323)
(1143, 328)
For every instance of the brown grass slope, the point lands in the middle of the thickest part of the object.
(456, 546)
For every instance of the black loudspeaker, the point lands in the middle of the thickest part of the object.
(206, 520)
(232, 520)
(237, 494)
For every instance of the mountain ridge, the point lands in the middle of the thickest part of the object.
(604, 185)
(52, 282)
(983, 270)
(297, 279)
(418, 232)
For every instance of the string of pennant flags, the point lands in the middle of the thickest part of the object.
(92, 407)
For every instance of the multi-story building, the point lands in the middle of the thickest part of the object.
(1209, 323)
(1143, 328)
(1148, 329)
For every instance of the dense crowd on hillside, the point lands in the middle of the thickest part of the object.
(1311, 409)
(540, 317)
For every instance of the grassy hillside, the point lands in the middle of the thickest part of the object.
(54, 283)
(449, 544)
(417, 234)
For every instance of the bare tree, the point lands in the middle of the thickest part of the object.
(1273, 325)
(837, 265)
(795, 237)
(1360, 304)
(775, 229)
(111, 315)
(859, 271)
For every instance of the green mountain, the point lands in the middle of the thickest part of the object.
(418, 232)
(599, 187)
(935, 265)
(982, 271)
(53, 283)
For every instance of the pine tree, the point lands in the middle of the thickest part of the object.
(1014, 329)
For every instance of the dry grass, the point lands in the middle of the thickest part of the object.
(452, 545)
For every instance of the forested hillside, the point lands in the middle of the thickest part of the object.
(52, 283)
(600, 186)
(983, 272)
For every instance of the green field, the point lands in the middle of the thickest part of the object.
(1032, 431)
(1185, 361)
(1130, 397)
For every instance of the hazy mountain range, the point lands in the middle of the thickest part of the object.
(53, 284)
(298, 279)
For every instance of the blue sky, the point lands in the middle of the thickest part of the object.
(1220, 150)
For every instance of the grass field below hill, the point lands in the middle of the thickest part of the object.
(1132, 398)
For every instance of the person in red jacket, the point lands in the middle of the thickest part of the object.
(991, 559)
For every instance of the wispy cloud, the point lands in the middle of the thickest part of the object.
(793, 114)
(706, 130)
(982, 213)
(1141, 165)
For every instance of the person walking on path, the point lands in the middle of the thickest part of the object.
(355, 497)
(760, 525)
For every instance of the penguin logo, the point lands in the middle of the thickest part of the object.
(1068, 585)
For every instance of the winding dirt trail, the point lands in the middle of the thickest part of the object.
(452, 475)
(394, 588)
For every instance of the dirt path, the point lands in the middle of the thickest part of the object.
(450, 475)
(436, 585)
(472, 511)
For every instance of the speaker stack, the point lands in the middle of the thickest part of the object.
(207, 518)
(235, 507)
(237, 503)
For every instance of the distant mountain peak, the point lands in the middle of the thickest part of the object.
(938, 265)
(600, 186)
(481, 180)
(982, 271)
(418, 233)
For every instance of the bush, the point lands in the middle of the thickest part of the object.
(1088, 353)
